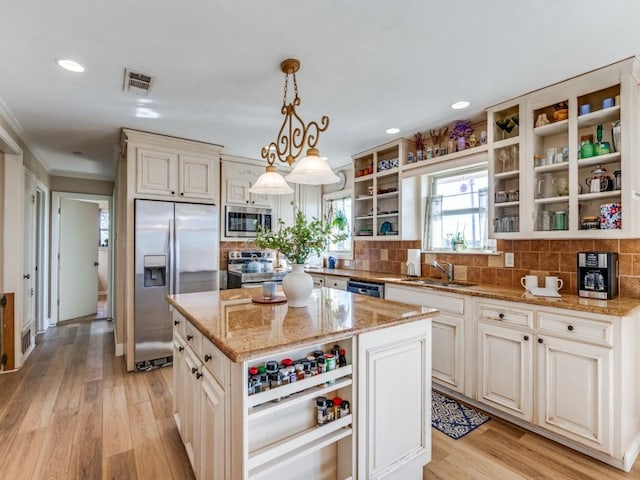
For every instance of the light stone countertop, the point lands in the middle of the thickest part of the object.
(619, 306)
(242, 329)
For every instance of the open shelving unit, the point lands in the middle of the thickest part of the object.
(281, 423)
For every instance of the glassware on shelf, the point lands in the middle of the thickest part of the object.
(515, 157)
(503, 156)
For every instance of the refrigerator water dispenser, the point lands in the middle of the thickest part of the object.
(155, 270)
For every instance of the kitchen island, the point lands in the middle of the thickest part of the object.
(232, 433)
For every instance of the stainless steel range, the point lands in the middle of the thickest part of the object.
(252, 268)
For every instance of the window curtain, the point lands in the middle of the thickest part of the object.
(483, 197)
(432, 222)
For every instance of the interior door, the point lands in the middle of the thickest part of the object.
(78, 263)
(29, 270)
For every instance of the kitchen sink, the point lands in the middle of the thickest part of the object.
(436, 282)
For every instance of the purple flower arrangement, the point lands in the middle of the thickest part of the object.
(462, 128)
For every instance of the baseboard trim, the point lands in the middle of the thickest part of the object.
(631, 455)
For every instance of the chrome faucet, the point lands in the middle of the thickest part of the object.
(448, 271)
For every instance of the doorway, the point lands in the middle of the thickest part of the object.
(81, 280)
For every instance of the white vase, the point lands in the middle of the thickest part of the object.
(297, 286)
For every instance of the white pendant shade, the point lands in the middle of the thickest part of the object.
(312, 170)
(271, 183)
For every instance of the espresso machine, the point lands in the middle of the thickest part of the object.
(598, 275)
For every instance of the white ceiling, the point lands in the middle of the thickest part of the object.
(367, 64)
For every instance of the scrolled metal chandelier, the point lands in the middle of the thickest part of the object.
(293, 137)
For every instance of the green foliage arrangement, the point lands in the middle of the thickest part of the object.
(303, 238)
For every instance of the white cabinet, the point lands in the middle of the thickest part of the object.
(394, 401)
(238, 193)
(505, 376)
(307, 198)
(380, 193)
(575, 386)
(449, 356)
(156, 172)
(175, 175)
(213, 419)
(200, 401)
(336, 281)
(318, 280)
(237, 179)
(539, 166)
(330, 281)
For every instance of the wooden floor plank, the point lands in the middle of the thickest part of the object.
(20, 460)
(174, 450)
(41, 408)
(120, 467)
(90, 413)
(159, 393)
(115, 421)
(86, 460)
(53, 461)
(151, 461)
(135, 388)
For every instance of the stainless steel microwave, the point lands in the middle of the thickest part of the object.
(244, 221)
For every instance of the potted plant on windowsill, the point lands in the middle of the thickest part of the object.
(298, 242)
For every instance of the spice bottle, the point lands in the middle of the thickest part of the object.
(321, 405)
(342, 358)
(329, 411)
(345, 408)
(337, 401)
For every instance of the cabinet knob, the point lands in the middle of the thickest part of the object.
(526, 338)
(198, 375)
(189, 337)
(180, 348)
(570, 328)
(207, 358)
(176, 322)
(501, 315)
(182, 194)
(540, 340)
(194, 369)
(173, 192)
(247, 201)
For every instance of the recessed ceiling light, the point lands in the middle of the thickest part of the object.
(393, 130)
(460, 105)
(70, 65)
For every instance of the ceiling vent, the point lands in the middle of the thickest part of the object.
(138, 83)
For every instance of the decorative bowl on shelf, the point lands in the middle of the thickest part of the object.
(560, 115)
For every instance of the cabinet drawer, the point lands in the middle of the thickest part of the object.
(215, 361)
(505, 314)
(194, 338)
(575, 328)
(179, 324)
(337, 283)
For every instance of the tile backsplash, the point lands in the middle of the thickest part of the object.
(531, 257)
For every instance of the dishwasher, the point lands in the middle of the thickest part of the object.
(366, 288)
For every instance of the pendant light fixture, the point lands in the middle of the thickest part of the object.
(293, 138)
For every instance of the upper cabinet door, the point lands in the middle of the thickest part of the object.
(238, 192)
(196, 178)
(156, 172)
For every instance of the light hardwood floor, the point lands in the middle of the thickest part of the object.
(72, 412)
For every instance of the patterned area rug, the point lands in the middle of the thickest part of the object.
(453, 418)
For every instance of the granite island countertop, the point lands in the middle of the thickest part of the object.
(242, 329)
(619, 306)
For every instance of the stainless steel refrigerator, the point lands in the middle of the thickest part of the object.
(176, 251)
